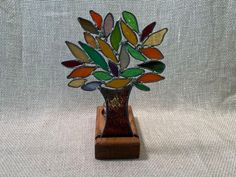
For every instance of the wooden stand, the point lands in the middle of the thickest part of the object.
(115, 147)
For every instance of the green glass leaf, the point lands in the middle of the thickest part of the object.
(156, 66)
(116, 37)
(132, 72)
(141, 86)
(131, 20)
(135, 53)
(95, 56)
(102, 75)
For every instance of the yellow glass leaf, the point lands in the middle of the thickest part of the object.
(128, 33)
(155, 38)
(90, 39)
(106, 50)
(77, 83)
(118, 83)
(77, 52)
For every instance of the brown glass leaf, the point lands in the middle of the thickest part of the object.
(77, 52)
(97, 18)
(155, 38)
(71, 63)
(118, 83)
(88, 25)
(90, 39)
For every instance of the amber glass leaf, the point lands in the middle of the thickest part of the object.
(135, 53)
(88, 25)
(91, 86)
(83, 71)
(147, 30)
(156, 66)
(152, 53)
(132, 72)
(71, 63)
(102, 75)
(150, 77)
(124, 58)
(90, 39)
(118, 83)
(108, 24)
(141, 86)
(128, 33)
(97, 18)
(114, 69)
(106, 50)
(131, 20)
(95, 56)
(115, 37)
(155, 38)
(76, 83)
(77, 52)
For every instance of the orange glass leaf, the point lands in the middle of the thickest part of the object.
(152, 53)
(106, 50)
(77, 52)
(128, 33)
(83, 71)
(97, 18)
(90, 39)
(150, 77)
(118, 83)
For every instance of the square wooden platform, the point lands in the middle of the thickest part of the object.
(116, 147)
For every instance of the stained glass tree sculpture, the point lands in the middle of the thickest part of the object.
(104, 59)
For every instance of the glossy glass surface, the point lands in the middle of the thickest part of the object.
(114, 68)
(131, 20)
(71, 63)
(129, 34)
(155, 38)
(150, 77)
(90, 39)
(115, 38)
(132, 72)
(97, 18)
(95, 56)
(106, 50)
(91, 86)
(118, 83)
(124, 57)
(156, 66)
(147, 30)
(83, 71)
(77, 52)
(76, 83)
(135, 53)
(102, 75)
(141, 86)
(88, 25)
(152, 53)
(108, 24)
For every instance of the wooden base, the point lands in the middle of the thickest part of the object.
(115, 147)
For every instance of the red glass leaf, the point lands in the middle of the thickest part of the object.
(83, 71)
(97, 18)
(152, 53)
(71, 63)
(150, 77)
(147, 30)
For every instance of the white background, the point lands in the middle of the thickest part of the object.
(187, 122)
